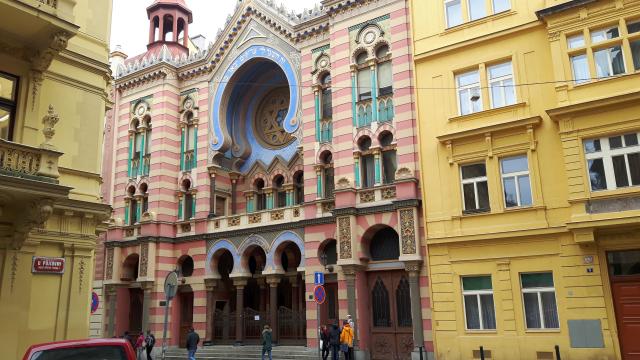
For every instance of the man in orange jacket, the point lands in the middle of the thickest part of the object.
(346, 340)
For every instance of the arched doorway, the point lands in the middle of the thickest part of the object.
(185, 267)
(389, 297)
(133, 308)
(224, 325)
(291, 321)
(255, 311)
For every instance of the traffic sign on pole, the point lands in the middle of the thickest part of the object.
(318, 278)
(319, 294)
(170, 290)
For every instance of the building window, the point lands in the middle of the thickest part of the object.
(298, 187)
(633, 29)
(8, 101)
(327, 175)
(453, 8)
(145, 198)
(479, 309)
(476, 9)
(613, 162)
(327, 108)
(221, 206)
(280, 192)
(364, 77)
(475, 191)
(367, 163)
(385, 74)
(608, 47)
(261, 197)
(539, 298)
(468, 88)
(515, 181)
(501, 84)
(389, 159)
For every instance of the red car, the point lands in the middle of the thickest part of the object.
(94, 349)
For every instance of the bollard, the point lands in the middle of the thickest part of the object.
(558, 352)
(420, 347)
(481, 353)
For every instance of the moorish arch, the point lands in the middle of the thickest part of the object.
(279, 244)
(216, 252)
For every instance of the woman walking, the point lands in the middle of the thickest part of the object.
(346, 340)
(266, 341)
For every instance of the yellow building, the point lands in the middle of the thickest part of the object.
(529, 118)
(53, 95)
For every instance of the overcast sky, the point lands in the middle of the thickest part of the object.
(130, 27)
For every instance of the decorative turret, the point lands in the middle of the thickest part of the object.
(168, 25)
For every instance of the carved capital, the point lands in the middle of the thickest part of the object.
(36, 214)
(273, 280)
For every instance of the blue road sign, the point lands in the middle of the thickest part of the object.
(318, 278)
(319, 294)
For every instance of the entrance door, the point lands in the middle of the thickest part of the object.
(624, 271)
(329, 310)
(391, 330)
(136, 297)
(186, 316)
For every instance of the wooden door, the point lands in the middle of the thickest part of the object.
(390, 304)
(186, 316)
(136, 298)
(329, 310)
(626, 298)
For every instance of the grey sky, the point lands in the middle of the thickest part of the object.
(130, 27)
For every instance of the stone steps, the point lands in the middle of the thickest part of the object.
(245, 353)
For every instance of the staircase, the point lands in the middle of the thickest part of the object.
(251, 352)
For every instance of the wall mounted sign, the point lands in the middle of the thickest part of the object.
(47, 265)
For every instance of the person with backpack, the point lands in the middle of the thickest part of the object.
(346, 340)
(324, 337)
(192, 343)
(267, 342)
(150, 340)
(334, 342)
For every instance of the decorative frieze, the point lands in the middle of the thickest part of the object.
(109, 270)
(344, 236)
(367, 196)
(388, 193)
(233, 221)
(255, 218)
(144, 259)
(407, 231)
(277, 215)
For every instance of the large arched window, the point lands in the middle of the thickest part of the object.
(132, 208)
(364, 77)
(326, 108)
(145, 198)
(367, 163)
(385, 245)
(188, 204)
(185, 266)
(168, 28)
(327, 175)
(385, 75)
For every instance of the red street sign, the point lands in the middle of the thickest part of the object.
(319, 294)
(47, 265)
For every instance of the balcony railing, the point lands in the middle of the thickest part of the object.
(385, 108)
(326, 132)
(255, 219)
(365, 115)
(28, 162)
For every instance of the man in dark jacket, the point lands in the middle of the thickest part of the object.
(150, 340)
(324, 336)
(267, 342)
(334, 341)
(192, 343)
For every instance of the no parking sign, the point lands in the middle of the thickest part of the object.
(319, 294)
(95, 302)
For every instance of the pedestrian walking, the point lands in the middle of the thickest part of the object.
(334, 341)
(267, 343)
(324, 337)
(346, 341)
(192, 343)
(150, 340)
(140, 346)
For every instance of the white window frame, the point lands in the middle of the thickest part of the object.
(493, 7)
(538, 291)
(603, 31)
(484, 2)
(608, 50)
(475, 182)
(446, 13)
(516, 175)
(477, 293)
(499, 81)
(573, 68)
(464, 88)
(607, 154)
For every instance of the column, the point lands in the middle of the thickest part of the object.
(210, 285)
(294, 301)
(195, 146)
(131, 144)
(378, 167)
(193, 203)
(250, 203)
(139, 200)
(111, 309)
(273, 282)
(239, 283)
(146, 305)
(186, 33)
(152, 31)
(127, 206)
(350, 277)
(374, 91)
(233, 196)
(319, 182)
(413, 268)
(269, 194)
(354, 96)
(143, 134)
(356, 169)
(289, 189)
(180, 206)
(317, 106)
(182, 133)
(175, 30)
(212, 195)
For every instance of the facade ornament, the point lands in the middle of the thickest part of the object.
(14, 268)
(81, 274)
(343, 183)
(36, 79)
(50, 120)
(407, 231)
(109, 270)
(38, 212)
(344, 235)
(144, 259)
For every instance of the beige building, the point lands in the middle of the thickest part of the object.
(53, 95)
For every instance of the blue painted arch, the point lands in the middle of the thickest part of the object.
(221, 245)
(284, 237)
